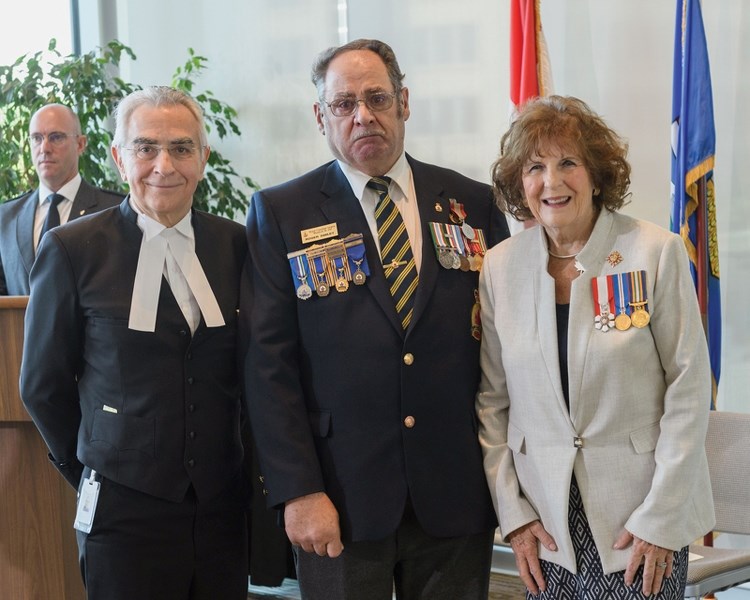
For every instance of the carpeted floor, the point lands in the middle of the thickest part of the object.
(502, 587)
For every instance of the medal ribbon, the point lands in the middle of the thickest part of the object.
(478, 245)
(355, 251)
(458, 213)
(638, 291)
(621, 287)
(297, 261)
(319, 266)
(456, 239)
(603, 302)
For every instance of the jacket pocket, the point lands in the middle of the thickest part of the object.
(644, 439)
(516, 439)
(124, 432)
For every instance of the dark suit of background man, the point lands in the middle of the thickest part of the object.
(56, 143)
(366, 430)
(130, 372)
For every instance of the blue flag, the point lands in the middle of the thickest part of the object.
(693, 213)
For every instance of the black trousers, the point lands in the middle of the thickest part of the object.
(410, 561)
(142, 547)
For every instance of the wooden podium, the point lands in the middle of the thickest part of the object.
(38, 552)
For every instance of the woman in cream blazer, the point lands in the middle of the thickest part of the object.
(594, 446)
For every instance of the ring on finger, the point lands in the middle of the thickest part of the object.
(661, 565)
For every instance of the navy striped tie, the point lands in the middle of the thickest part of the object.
(395, 251)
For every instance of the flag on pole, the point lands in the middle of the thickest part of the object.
(693, 213)
(530, 73)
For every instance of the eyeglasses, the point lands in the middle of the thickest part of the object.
(376, 102)
(148, 152)
(56, 138)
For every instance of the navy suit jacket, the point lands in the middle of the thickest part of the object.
(17, 232)
(329, 382)
(172, 400)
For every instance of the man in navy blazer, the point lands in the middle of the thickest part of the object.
(56, 144)
(364, 422)
(130, 369)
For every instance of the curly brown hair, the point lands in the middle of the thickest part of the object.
(568, 122)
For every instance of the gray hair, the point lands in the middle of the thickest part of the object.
(157, 95)
(383, 50)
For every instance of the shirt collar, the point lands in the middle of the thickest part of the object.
(151, 227)
(399, 174)
(69, 190)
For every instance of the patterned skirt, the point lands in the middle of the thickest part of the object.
(590, 583)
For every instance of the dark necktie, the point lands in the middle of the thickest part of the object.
(395, 251)
(53, 216)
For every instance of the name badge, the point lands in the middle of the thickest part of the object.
(319, 233)
(87, 499)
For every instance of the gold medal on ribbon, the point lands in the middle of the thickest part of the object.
(622, 322)
(639, 299)
(621, 293)
(640, 317)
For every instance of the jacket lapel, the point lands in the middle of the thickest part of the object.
(592, 260)
(84, 201)
(429, 193)
(545, 309)
(25, 231)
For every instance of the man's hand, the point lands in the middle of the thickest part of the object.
(312, 523)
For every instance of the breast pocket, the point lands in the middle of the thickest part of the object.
(124, 432)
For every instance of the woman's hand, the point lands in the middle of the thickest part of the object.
(657, 562)
(523, 541)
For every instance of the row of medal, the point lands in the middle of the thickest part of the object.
(620, 301)
(457, 244)
(334, 264)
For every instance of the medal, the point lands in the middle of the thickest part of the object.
(639, 299)
(640, 317)
(339, 261)
(622, 293)
(355, 252)
(604, 318)
(455, 260)
(298, 262)
(463, 263)
(304, 292)
(319, 267)
(476, 248)
(445, 258)
(449, 244)
(358, 277)
(476, 318)
(458, 216)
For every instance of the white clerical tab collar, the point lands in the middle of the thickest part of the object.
(151, 259)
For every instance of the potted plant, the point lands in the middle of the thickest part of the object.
(89, 84)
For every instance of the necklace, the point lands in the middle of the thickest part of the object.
(553, 255)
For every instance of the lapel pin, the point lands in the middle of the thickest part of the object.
(438, 208)
(614, 258)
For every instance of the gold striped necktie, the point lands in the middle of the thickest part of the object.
(395, 251)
